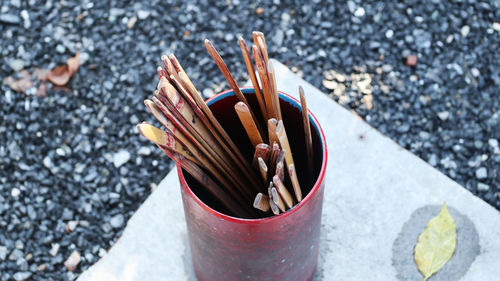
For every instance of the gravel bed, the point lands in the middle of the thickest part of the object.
(73, 169)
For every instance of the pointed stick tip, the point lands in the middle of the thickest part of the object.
(241, 106)
(152, 133)
(276, 179)
(242, 42)
(148, 103)
(257, 200)
(262, 146)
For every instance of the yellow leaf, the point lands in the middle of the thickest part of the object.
(436, 243)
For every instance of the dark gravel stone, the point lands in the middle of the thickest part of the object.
(9, 18)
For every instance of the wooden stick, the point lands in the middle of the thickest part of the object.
(280, 131)
(261, 202)
(293, 177)
(178, 132)
(169, 115)
(277, 199)
(260, 41)
(193, 122)
(281, 156)
(271, 130)
(207, 124)
(166, 140)
(280, 167)
(253, 77)
(248, 123)
(193, 135)
(169, 67)
(225, 71)
(178, 85)
(179, 68)
(274, 90)
(274, 207)
(263, 151)
(307, 133)
(264, 79)
(233, 151)
(285, 195)
(160, 72)
(280, 171)
(262, 168)
(185, 115)
(157, 136)
(208, 183)
(272, 159)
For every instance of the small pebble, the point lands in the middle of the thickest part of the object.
(131, 22)
(73, 260)
(411, 60)
(144, 151)
(121, 157)
(3, 252)
(208, 93)
(496, 26)
(21, 276)
(54, 249)
(465, 30)
(360, 12)
(117, 221)
(72, 225)
(493, 143)
(15, 192)
(443, 115)
(482, 187)
(10, 19)
(102, 252)
(142, 15)
(475, 72)
(389, 33)
(16, 65)
(481, 173)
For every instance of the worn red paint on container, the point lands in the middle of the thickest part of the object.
(283, 247)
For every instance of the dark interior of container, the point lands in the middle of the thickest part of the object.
(223, 109)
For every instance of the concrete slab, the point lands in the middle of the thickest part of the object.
(373, 192)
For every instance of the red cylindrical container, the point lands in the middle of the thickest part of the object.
(283, 247)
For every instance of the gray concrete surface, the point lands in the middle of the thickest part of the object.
(373, 187)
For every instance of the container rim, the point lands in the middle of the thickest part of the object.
(294, 209)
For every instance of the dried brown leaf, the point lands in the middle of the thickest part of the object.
(41, 91)
(41, 74)
(19, 85)
(61, 74)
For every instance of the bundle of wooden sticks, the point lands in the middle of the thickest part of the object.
(197, 142)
